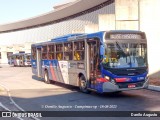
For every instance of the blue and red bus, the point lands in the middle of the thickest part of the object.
(107, 61)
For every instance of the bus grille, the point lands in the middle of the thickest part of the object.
(125, 85)
(125, 72)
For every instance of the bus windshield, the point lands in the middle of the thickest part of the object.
(125, 55)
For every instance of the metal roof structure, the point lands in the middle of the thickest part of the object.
(62, 13)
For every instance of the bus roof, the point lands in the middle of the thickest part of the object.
(66, 37)
(20, 54)
(70, 37)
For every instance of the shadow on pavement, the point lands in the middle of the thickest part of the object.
(59, 99)
(36, 78)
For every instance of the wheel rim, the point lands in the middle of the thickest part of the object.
(83, 84)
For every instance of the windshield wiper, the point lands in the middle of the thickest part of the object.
(119, 47)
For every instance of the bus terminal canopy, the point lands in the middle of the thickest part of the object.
(69, 10)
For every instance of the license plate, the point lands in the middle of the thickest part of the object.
(131, 86)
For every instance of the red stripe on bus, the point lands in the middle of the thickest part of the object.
(102, 80)
(52, 72)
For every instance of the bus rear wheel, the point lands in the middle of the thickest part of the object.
(46, 77)
(83, 84)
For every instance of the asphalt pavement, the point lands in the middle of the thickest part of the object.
(22, 91)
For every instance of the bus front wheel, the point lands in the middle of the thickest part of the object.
(83, 84)
(46, 77)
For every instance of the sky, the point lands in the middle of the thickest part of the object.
(14, 10)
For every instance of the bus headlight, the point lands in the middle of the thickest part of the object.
(107, 77)
(110, 79)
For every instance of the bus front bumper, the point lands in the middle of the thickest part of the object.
(110, 87)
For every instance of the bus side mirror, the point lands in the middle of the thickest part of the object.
(102, 50)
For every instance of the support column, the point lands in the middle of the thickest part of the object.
(91, 28)
(150, 20)
(127, 14)
(106, 22)
(4, 59)
(127, 25)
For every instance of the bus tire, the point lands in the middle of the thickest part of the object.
(83, 84)
(46, 77)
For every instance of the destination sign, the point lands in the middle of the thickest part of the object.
(125, 36)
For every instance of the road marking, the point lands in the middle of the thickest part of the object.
(8, 92)
(4, 107)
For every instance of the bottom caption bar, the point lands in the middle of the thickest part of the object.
(39, 114)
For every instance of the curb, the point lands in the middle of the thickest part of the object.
(153, 87)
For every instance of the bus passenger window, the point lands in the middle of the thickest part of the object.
(79, 50)
(77, 56)
(59, 51)
(68, 51)
(50, 56)
(59, 56)
(50, 52)
(44, 55)
(68, 56)
(33, 53)
(44, 52)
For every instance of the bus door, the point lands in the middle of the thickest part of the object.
(39, 62)
(93, 60)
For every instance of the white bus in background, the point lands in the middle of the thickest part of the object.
(20, 59)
